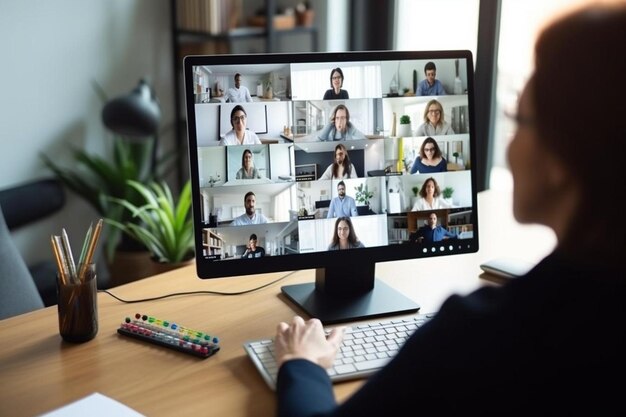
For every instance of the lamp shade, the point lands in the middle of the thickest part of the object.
(136, 114)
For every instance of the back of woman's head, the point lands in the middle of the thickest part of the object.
(579, 88)
(578, 91)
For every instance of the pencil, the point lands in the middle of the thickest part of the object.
(83, 251)
(91, 249)
(69, 257)
(60, 262)
(65, 269)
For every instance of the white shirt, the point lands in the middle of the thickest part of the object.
(238, 95)
(438, 203)
(244, 219)
(249, 138)
(327, 175)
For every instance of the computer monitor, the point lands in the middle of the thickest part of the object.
(272, 188)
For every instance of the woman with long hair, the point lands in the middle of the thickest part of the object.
(344, 236)
(341, 167)
(247, 170)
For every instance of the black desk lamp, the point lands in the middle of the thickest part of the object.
(135, 115)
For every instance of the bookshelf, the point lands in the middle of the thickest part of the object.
(212, 243)
(212, 27)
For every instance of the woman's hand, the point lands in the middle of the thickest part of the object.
(307, 340)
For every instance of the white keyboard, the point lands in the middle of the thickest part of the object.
(366, 348)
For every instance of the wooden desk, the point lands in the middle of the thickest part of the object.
(39, 372)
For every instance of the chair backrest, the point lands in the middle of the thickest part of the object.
(18, 293)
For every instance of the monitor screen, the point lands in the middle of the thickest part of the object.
(332, 162)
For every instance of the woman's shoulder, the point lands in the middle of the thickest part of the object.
(253, 137)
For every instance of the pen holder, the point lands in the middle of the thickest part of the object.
(78, 307)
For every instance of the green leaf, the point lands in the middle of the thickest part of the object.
(164, 223)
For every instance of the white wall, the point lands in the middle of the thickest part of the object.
(51, 52)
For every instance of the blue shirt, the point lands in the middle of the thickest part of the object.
(425, 89)
(434, 235)
(342, 207)
(442, 166)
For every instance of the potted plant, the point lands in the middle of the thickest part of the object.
(416, 191)
(447, 194)
(363, 195)
(95, 179)
(405, 126)
(165, 225)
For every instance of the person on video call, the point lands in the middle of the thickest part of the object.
(344, 236)
(239, 135)
(252, 250)
(336, 82)
(434, 121)
(341, 167)
(340, 127)
(430, 197)
(430, 158)
(430, 86)
(239, 93)
(247, 170)
(432, 232)
(342, 205)
(550, 342)
(250, 216)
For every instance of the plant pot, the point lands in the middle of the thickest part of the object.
(404, 131)
(161, 267)
(129, 266)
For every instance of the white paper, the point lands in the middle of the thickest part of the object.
(94, 405)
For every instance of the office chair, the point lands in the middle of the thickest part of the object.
(27, 203)
(18, 292)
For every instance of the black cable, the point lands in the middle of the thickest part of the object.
(196, 292)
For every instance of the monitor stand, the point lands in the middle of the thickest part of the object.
(343, 294)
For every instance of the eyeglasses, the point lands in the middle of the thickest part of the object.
(429, 149)
(434, 111)
(336, 77)
(235, 119)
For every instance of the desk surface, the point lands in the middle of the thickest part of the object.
(39, 372)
